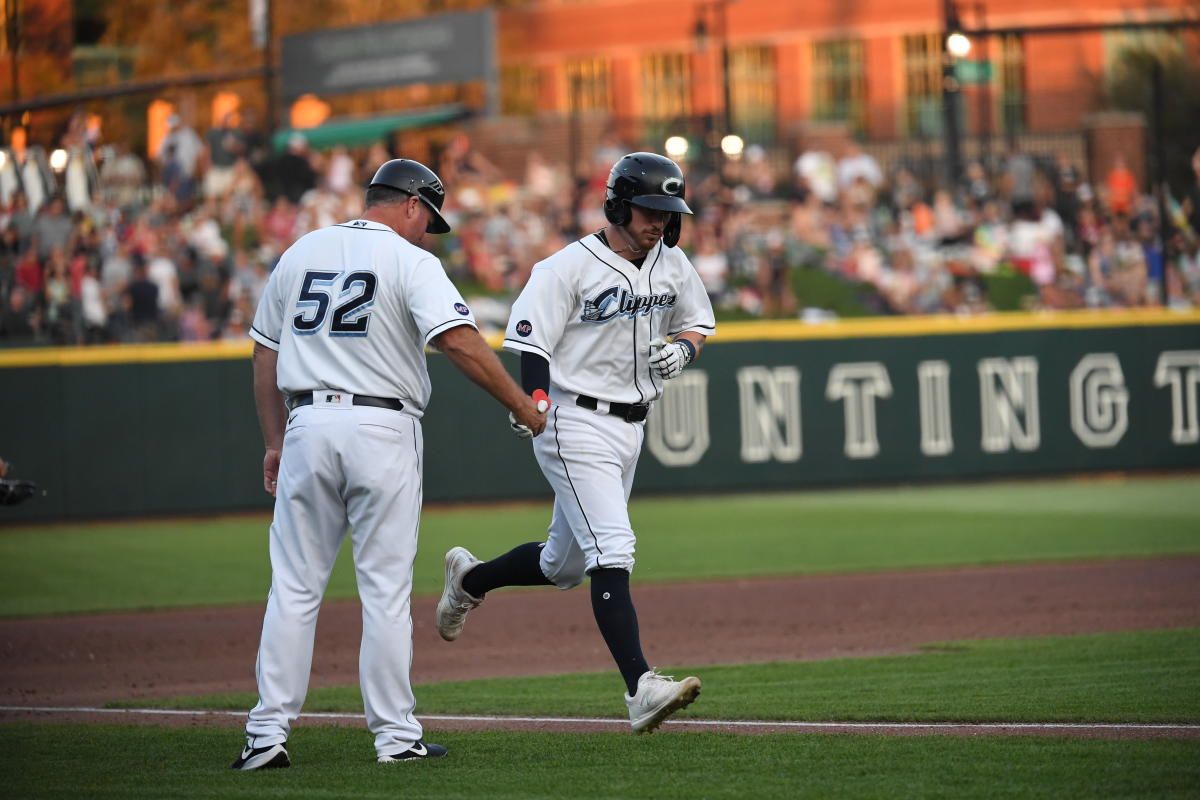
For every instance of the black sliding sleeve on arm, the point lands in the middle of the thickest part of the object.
(535, 373)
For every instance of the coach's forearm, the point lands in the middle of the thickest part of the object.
(467, 350)
(268, 401)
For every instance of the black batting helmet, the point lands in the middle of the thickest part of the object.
(650, 181)
(413, 177)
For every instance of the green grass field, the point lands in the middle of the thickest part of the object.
(1146, 676)
(72, 762)
(70, 568)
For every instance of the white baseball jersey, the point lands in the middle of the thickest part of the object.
(594, 314)
(351, 307)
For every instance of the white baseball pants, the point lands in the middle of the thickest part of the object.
(343, 465)
(589, 459)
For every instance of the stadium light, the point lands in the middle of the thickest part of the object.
(676, 146)
(732, 145)
(958, 45)
(58, 160)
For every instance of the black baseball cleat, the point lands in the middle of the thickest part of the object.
(418, 752)
(273, 756)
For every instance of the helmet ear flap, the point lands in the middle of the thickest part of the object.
(616, 210)
(672, 230)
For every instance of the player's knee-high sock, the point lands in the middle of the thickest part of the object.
(518, 567)
(617, 620)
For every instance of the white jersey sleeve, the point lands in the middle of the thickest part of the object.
(540, 314)
(267, 328)
(693, 310)
(435, 303)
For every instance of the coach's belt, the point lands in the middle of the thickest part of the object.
(630, 412)
(306, 399)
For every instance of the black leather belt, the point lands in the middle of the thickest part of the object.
(306, 399)
(630, 412)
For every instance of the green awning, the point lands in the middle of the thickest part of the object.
(356, 131)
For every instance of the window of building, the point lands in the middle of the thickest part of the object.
(667, 86)
(589, 85)
(666, 93)
(840, 82)
(519, 87)
(752, 83)
(923, 85)
(1010, 84)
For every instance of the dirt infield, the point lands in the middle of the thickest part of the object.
(96, 658)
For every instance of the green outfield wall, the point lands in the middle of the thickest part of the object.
(171, 429)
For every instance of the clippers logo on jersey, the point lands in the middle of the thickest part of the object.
(614, 302)
(524, 328)
(462, 309)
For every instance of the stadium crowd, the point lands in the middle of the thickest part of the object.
(179, 249)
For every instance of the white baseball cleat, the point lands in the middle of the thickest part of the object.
(456, 602)
(658, 697)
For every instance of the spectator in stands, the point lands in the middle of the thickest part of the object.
(1122, 187)
(225, 147)
(1191, 201)
(293, 171)
(122, 178)
(179, 157)
(711, 263)
(18, 323)
(52, 228)
(142, 304)
(93, 309)
(57, 298)
(857, 165)
(20, 219)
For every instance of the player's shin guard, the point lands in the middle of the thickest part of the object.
(518, 567)
(617, 620)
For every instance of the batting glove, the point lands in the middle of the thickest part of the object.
(521, 431)
(670, 359)
(543, 405)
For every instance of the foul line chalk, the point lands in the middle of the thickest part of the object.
(690, 723)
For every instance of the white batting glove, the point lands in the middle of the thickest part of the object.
(669, 359)
(521, 431)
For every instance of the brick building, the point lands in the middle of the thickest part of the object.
(874, 64)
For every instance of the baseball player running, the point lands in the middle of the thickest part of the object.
(590, 326)
(340, 383)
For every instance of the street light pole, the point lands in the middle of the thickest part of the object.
(574, 145)
(1160, 172)
(269, 73)
(985, 92)
(728, 103)
(12, 31)
(950, 98)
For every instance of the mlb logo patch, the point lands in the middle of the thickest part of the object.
(462, 309)
(524, 328)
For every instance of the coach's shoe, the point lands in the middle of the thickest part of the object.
(658, 697)
(418, 752)
(456, 602)
(273, 756)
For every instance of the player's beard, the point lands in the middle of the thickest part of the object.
(646, 238)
